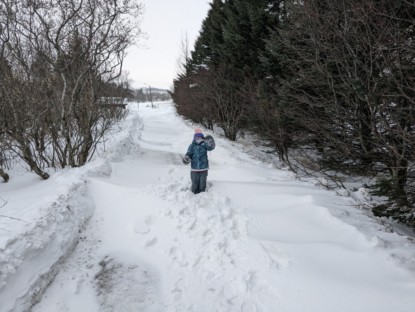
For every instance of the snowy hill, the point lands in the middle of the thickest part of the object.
(124, 233)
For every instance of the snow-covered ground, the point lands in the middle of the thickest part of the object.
(124, 233)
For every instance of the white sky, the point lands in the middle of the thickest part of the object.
(165, 22)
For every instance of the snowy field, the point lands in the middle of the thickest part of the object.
(124, 233)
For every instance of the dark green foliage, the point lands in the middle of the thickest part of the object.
(403, 214)
(326, 81)
(231, 41)
(208, 45)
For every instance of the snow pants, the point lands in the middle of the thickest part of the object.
(198, 181)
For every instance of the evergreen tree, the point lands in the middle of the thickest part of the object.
(346, 86)
(209, 43)
(230, 42)
(332, 77)
(247, 27)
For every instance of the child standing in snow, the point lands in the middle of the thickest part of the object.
(197, 156)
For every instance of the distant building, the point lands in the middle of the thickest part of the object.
(109, 101)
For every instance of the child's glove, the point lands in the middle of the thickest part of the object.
(210, 141)
(186, 159)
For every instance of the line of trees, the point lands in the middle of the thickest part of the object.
(57, 58)
(331, 83)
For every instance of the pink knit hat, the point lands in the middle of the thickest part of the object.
(198, 133)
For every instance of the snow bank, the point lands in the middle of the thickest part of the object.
(30, 256)
(41, 223)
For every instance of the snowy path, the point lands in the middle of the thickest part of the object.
(257, 241)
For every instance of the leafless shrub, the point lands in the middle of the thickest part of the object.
(56, 60)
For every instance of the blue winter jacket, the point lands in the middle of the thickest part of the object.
(197, 152)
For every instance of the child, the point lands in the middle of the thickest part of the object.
(197, 156)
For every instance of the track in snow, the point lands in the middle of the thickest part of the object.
(256, 241)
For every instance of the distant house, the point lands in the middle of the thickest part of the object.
(110, 101)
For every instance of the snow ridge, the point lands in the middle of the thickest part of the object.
(30, 261)
(126, 140)
(214, 251)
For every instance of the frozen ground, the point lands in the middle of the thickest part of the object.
(257, 241)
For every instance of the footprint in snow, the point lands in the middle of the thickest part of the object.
(249, 307)
(151, 242)
(135, 283)
(142, 226)
(178, 257)
(276, 257)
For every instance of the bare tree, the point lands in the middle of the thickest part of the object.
(3, 159)
(183, 58)
(222, 99)
(59, 57)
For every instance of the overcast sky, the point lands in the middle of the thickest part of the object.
(165, 22)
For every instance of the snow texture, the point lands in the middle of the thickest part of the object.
(125, 233)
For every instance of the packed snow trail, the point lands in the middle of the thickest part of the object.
(258, 240)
